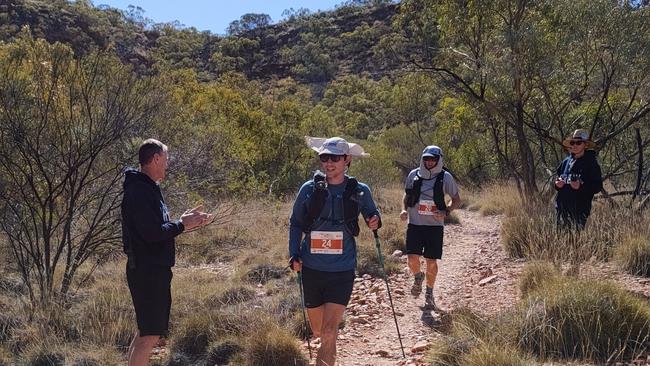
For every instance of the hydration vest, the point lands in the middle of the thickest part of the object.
(319, 196)
(413, 194)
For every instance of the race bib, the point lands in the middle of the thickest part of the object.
(326, 242)
(426, 207)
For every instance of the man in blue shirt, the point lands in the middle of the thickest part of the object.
(322, 246)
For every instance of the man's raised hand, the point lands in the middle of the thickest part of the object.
(195, 217)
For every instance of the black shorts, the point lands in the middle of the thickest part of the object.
(321, 287)
(424, 240)
(150, 288)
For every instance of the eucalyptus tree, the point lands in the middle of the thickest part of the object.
(536, 70)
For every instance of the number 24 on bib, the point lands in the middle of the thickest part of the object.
(326, 242)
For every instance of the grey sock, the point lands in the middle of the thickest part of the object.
(429, 290)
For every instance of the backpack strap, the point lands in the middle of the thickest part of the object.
(438, 192)
(351, 206)
(316, 201)
(413, 193)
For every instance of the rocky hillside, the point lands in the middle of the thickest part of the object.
(311, 48)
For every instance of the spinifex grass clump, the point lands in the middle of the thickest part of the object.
(495, 200)
(633, 255)
(558, 318)
(473, 341)
(272, 345)
(577, 319)
(535, 275)
(533, 233)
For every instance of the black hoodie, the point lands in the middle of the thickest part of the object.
(577, 202)
(147, 232)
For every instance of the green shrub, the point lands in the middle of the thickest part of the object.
(584, 320)
(633, 255)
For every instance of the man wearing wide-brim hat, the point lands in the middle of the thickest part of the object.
(578, 180)
(322, 230)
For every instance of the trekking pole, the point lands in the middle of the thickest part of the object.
(390, 298)
(304, 317)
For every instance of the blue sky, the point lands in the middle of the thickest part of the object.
(215, 15)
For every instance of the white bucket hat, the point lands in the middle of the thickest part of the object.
(335, 146)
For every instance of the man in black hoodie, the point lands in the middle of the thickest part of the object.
(148, 238)
(578, 180)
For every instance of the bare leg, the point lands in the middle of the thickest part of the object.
(316, 319)
(414, 263)
(140, 350)
(432, 272)
(332, 315)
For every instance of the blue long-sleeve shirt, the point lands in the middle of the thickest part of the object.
(331, 220)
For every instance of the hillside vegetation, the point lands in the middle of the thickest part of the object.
(497, 85)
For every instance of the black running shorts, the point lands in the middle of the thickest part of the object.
(322, 287)
(150, 288)
(424, 240)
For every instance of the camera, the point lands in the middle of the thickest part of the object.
(574, 177)
(321, 184)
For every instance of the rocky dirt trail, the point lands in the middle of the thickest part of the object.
(474, 273)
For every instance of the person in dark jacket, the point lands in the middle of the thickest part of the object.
(578, 180)
(148, 238)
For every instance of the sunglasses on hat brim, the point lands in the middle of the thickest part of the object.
(576, 142)
(431, 158)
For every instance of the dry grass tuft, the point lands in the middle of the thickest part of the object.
(633, 255)
(535, 275)
(587, 320)
(493, 354)
(534, 234)
(495, 199)
(271, 346)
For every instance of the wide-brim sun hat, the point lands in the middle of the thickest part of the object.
(579, 135)
(335, 146)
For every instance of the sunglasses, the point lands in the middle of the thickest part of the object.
(431, 158)
(334, 158)
(576, 143)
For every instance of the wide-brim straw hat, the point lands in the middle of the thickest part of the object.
(579, 135)
(335, 146)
